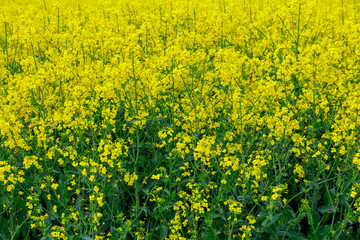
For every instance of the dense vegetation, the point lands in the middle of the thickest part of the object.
(214, 119)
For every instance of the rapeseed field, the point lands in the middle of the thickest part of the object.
(179, 119)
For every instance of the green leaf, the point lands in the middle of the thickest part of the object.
(310, 218)
(163, 231)
(4, 226)
(265, 222)
(20, 203)
(273, 219)
(288, 212)
(216, 215)
(327, 209)
(115, 229)
(291, 234)
(86, 237)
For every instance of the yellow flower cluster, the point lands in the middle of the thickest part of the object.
(198, 119)
(277, 191)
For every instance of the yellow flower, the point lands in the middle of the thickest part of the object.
(91, 178)
(156, 177)
(92, 197)
(10, 187)
(54, 186)
(251, 219)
